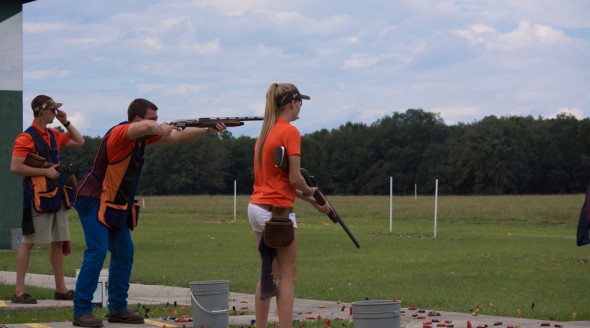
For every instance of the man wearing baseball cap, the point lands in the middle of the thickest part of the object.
(46, 194)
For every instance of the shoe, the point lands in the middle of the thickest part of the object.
(126, 317)
(23, 299)
(87, 320)
(64, 296)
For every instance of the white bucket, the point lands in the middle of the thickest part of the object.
(101, 293)
(210, 303)
(376, 314)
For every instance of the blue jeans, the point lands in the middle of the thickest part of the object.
(99, 239)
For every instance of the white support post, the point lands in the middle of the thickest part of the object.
(390, 204)
(435, 205)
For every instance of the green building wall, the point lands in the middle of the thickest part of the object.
(11, 122)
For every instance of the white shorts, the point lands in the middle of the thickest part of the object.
(258, 217)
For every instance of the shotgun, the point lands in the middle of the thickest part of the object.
(34, 160)
(37, 161)
(209, 122)
(321, 199)
(282, 163)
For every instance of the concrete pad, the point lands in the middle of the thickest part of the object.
(303, 310)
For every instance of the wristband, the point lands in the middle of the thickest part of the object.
(67, 124)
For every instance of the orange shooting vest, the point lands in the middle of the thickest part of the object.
(115, 184)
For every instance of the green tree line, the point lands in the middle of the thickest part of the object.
(496, 155)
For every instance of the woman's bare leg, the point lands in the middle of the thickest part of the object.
(262, 307)
(287, 267)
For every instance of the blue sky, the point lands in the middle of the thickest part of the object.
(358, 60)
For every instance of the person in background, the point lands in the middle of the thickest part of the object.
(46, 194)
(274, 194)
(108, 211)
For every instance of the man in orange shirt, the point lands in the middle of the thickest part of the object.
(108, 211)
(46, 196)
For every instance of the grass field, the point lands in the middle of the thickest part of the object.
(507, 255)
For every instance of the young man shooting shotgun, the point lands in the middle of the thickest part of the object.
(108, 211)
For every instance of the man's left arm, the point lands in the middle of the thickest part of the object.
(189, 134)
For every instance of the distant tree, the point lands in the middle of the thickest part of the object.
(562, 149)
(410, 145)
(241, 161)
(505, 155)
(81, 158)
(198, 167)
(349, 155)
(492, 157)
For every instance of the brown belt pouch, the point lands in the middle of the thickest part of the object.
(278, 232)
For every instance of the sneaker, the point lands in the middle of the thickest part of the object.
(68, 296)
(126, 317)
(87, 320)
(23, 299)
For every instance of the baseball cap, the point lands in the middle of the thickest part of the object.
(49, 104)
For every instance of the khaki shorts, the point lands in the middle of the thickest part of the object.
(49, 227)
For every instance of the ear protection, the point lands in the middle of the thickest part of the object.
(138, 119)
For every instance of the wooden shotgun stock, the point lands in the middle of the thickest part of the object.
(34, 160)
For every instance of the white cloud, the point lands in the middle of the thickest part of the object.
(35, 28)
(78, 119)
(464, 59)
(184, 89)
(573, 111)
(152, 43)
(147, 88)
(458, 113)
(353, 40)
(476, 34)
(238, 7)
(358, 61)
(527, 34)
(210, 48)
(46, 74)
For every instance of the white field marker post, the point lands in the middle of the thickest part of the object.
(143, 202)
(235, 195)
(435, 205)
(415, 191)
(390, 204)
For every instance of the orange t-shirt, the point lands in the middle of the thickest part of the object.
(119, 145)
(24, 144)
(271, 184)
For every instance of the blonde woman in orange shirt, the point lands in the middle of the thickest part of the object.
(274, 194)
